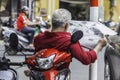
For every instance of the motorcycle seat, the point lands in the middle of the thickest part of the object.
(22, 34)
(29, 49)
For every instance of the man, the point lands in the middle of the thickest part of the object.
(59, 39)
(43, 14)
(25, 25)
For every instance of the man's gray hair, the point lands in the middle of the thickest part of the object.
(60, 17)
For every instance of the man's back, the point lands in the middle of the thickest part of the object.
(57, 40)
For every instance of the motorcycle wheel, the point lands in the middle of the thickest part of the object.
(107, 71)
(1, 36)
(112, 66)
(10, 51)
(31, 78)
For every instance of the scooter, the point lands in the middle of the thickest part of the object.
(10, 34)
(52, 65)
(6, 72)
(112, 58)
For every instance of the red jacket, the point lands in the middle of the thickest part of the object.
(61, 41)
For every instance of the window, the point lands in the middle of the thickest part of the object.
(78, 8)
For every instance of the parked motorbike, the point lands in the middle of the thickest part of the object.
(112, 58)
(52, 65)
(11, 34)
(6, 72)
(44, 25)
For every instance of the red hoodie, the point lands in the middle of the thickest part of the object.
(61, 41)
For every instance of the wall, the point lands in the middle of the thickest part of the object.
(116, 10)
(50, 5)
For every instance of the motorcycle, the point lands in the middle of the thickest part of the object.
(6, 72)
(52, 65)
(11, 34)
(112, 58)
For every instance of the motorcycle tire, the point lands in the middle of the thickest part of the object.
(1, 36)
(112, 66)
(107, 71)
(31, 78)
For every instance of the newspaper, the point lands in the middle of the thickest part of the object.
(92, 32)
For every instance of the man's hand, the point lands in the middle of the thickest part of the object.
(101, 43)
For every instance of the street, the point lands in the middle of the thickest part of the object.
(78, 70)
(95, 18)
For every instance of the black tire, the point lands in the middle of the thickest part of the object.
(1, 36)
(107, 71)
(31, 78)
(112, 65)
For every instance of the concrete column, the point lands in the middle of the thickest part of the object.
(49, 7)
(101, 10)
(93, 17)
(93, 10)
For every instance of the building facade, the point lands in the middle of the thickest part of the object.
(112, 10)
(49, 5)
(11, 8)
(109, 9)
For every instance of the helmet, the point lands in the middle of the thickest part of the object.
(25, 8)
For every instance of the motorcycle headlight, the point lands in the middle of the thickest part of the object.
(45, 63)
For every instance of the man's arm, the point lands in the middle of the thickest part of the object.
(100, 45)
(86, 57)
(30, 23)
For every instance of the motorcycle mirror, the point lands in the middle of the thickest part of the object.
(76, 36)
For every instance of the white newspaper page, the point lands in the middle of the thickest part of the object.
(92, 32)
